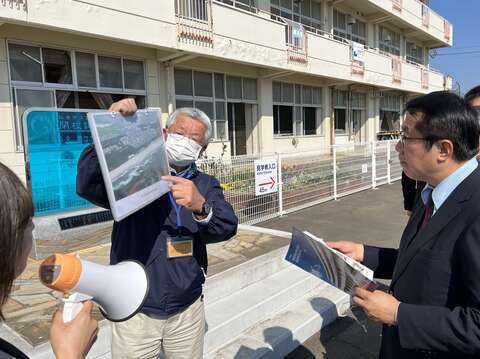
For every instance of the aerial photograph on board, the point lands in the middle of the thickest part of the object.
(134, 150)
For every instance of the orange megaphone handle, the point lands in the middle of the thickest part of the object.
(61, 271)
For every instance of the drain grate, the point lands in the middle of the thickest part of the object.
(84, 220)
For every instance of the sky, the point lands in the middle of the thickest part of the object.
(465, 18)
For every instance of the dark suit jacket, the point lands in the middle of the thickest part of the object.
(436, 276)
(412, 190)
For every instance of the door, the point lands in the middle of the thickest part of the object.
(236, 128)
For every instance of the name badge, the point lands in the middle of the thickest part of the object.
(179, 247)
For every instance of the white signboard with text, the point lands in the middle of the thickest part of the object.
(358, 52)
(266, 177)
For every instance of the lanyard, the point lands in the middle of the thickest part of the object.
(178, 211)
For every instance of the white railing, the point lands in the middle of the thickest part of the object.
(297, 42)
(247, 6)
(304, 179)
(194, 21)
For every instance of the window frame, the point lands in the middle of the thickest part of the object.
(298, 106)
(347, 33)
(214, 100)
(414, 59)
(349, 110)
(389, 47)
(46, 86)
(298, 16)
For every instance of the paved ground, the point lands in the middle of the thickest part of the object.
(374, 217)
(31, 306)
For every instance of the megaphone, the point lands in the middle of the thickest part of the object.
(119, 289)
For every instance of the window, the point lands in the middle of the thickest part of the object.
(295, 109)
(219, 86)
(249, 89)
(25, 63)
(203, 84)
(389, 41)
(415, 53)
(209, 91)
(349, 28)
(234, 88)
(390, 110)
(25, 99)
(306, 12)
(110, 69)
(283, 120)
(57, 66)
(309, 120)
(134, 74)
(183, 103)
(183, 82)
(349, 112)
(340, 120)
(86, 74)
(35, 69)
(53, 68)
(206, 107)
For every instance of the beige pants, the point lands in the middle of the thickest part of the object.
(179, 336)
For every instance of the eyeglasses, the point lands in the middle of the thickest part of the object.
(404, 139)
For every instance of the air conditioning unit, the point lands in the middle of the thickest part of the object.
(351, 20)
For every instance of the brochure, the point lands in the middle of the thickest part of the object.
(314, 256)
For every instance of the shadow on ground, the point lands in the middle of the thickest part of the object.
(352, 336)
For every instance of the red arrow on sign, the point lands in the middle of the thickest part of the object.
(272, 182)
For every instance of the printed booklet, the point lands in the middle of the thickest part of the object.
(314, 256)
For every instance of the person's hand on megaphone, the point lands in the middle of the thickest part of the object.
(73, 340)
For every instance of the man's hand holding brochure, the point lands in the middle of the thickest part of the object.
(313, 255)
(338, 263)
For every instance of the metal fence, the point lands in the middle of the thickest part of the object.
(304, 179)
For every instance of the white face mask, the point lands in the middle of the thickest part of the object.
(181, 151)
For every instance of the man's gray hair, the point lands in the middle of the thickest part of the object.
(194, 113)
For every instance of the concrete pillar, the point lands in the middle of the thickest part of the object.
(327, 12)
(403, 46)
(326, 114)
(166, 80)
(373, 118)
(372, 35)
(153, 84)
(264, 124)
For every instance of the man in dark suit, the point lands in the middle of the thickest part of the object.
(432, 309)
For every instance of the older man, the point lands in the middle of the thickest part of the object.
(169, 237)
(433, 305)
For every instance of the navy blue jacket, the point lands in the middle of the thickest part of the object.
(177, 282)
(435, 276)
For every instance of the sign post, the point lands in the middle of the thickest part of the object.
(266, 177)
